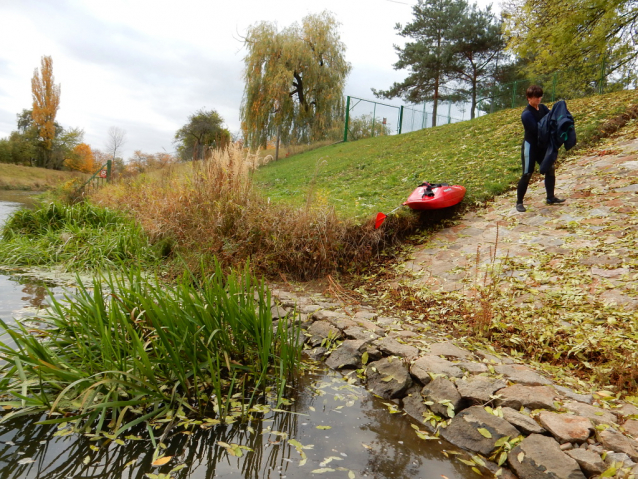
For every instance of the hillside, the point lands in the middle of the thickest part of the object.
(18, 177)
(377, 174)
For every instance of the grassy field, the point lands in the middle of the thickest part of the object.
(18, 177)
(377, 174)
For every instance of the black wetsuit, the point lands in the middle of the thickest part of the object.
(531, 154)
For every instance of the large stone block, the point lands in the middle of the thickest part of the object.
(478, 389)
(388, 377)
(348, 355)
(425, 365)
(566, 427)
(540, 457)
(442, 392)
(533, 397)
(392, 347)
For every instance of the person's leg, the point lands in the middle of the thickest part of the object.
(550, 184)
(528, 168)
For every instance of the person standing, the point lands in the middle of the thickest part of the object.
(531, 152)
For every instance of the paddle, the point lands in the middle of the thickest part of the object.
(381, 218)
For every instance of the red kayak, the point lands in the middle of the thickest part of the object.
(435, 196)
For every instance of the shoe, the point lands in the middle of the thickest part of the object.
(554, 201)
(520, 208)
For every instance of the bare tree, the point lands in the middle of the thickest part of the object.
(116, 137)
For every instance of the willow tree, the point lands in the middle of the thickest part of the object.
(595, 39)
(46, 101)
(294, 80)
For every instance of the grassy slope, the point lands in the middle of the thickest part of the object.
(377, 174)
(18, 177)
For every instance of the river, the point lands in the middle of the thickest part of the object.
(345, 431)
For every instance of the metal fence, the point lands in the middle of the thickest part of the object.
(368, 118)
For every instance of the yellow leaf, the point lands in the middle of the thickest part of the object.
(484, 432)
(324, 427)
(520, 457)
(160, 461)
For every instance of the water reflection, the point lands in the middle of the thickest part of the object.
(358, 435)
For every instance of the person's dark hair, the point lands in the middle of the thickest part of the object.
(534, 91)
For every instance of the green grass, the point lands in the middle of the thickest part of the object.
(18, 177)
(76, 237)
(377, 174)
(130, 350)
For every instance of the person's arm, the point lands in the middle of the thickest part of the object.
(529, 123)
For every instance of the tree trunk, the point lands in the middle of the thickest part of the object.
(436, 101)
(277, 145)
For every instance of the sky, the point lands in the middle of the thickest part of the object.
(144, 66)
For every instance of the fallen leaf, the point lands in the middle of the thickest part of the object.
(484, 432)
(160, 461)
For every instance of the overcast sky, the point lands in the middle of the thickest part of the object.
(146, 65)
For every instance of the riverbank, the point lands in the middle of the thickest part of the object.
(27, 178)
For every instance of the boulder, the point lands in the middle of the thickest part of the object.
(617, 442)
(392, 347)
(433, 364)
(478, 389)
(590, 462)
(369, 325)
(388, 377)
(631, 427)
(521, 374)
(449, 350)
(542, 458)
(316, 354)
(570, 394)
(357, 332)
(472, 367)
(442, 392)
(596, 414)
(321, 330)
(522, 422)
(348, 355)
(325, 315)
(365, 315)
(463, 430)
(566, 427)
(413, 404)
(533, 397)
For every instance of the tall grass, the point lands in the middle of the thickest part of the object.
(214, 210)
(77, 237)
(130, 350)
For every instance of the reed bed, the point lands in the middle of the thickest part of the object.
(76, 237)
(129, 350)
(213, 210)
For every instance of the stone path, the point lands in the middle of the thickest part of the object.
(587, 243)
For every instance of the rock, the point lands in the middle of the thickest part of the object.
(631, 427)
(463, 430)
(338, 320)
(448, 350)
(373, 353)
(589, 462)
(566, 427)
(414, 406)
(369, 325)
(488, 358)
(617, 442)
(542, 459)
(316, 354)
(309, 308)
(321, 330)
(441, 389)
(402, 334)
(386, 321)
(357, 332)
(626, 410)
(522, 422)
(365, 315)
(568, 393)
(618, 458)
(278, 311)
(533, 397)
(478, 389)
(472, 367)
(566, 446)
(348, 355)
(388, 377)
(521, 374)
(596, 414)
(394, 348)
(433, 364)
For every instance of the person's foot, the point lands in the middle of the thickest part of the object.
(520, 208)
(554, 201)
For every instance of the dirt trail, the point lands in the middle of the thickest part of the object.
(584, 247)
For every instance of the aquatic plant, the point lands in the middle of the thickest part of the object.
(77, 237)
(131, 350)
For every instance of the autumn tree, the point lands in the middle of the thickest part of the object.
(429, 59)
(294, 80)
(205, 129)
(81, 159)
(595, 39)
(46, 101)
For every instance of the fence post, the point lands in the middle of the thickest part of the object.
(345, 126)
(449, 112)
(108, 170)
(513, 93)
(554, 87)
(424, 121)
(374, 115)
(400, 119)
